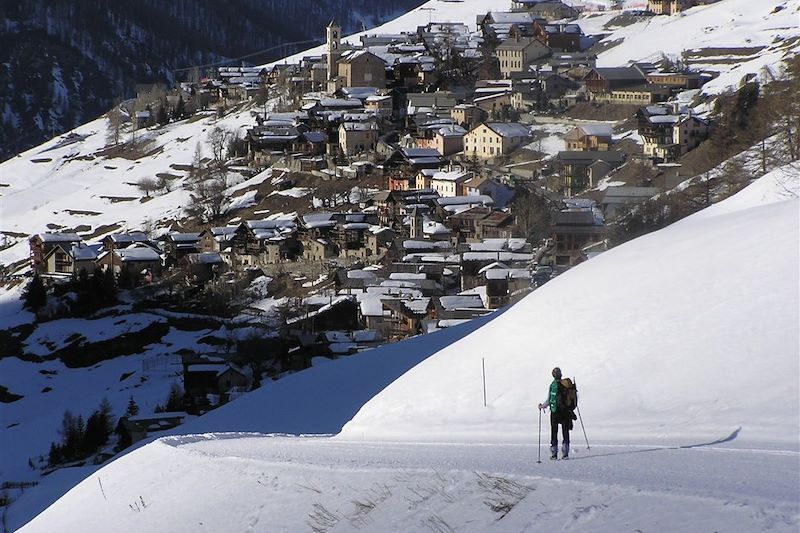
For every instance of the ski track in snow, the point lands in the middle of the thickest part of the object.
(385, 486)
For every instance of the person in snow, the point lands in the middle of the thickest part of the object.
(561, 413)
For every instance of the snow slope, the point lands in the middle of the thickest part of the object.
(691, 332)
(685, 344)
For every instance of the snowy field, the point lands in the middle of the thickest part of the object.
(689, 393)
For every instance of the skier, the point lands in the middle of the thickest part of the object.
(560, 413)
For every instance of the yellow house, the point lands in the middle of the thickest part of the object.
(492, 139)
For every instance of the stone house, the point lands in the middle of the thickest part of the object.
(516, 54)
(361, 68)
(357, 137)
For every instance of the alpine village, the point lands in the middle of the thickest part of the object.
(393, 185)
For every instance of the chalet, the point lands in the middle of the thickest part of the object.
(362, 68)
(140, 263)
(605, 80)
(518, 53)
(572, 230)
(449, 140)
(406, 317)
(584, 169)
(492, 139)
(217, 239)
(670, 132)
(559, 37)
(67, 258)
(178, 244)
(589, 137)
(42, 243)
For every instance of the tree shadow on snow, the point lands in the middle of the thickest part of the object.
(723, 440)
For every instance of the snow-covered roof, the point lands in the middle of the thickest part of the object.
(143, 253)
(461, 301)
(509, 129)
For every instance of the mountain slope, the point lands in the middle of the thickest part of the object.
(62, 63)
(74, 182)
(690, 397)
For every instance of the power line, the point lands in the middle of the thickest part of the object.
(270, 49)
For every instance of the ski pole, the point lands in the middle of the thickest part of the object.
(539, 460)
(583, 428)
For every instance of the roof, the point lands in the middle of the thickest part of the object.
(142, 253)
(183, 237)
(461, 301)
(59, 237)
(509, 129)
(617, 194)
(619, 73)
(205, 258)
(599, 130)
(520, 44)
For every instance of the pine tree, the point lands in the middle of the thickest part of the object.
(133, 408)
(35, 295)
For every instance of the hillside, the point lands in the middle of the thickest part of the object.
(89, 55)
(75, 182)
(680, 401)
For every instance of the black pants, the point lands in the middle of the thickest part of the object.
(555, 420)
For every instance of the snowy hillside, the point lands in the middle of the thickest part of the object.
(74, 182)
(689, 395)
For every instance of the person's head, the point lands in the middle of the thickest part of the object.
(557, 373)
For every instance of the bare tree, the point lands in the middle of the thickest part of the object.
(147, 185)
(218, 138)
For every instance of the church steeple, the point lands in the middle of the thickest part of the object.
(334, 42)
